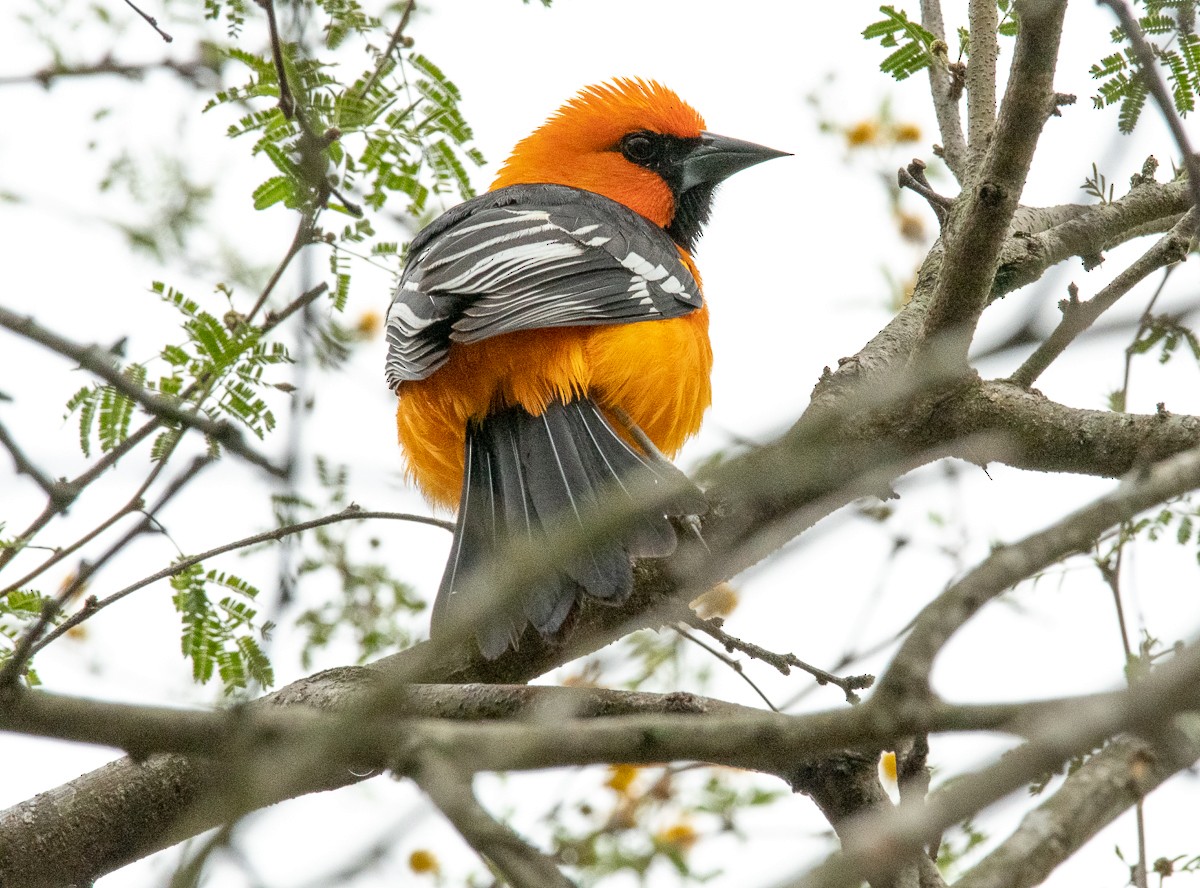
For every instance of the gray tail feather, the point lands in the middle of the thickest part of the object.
(527, 474)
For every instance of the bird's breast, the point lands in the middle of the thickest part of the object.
(656, 371)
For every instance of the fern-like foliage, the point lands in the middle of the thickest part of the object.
(910, 43)
(1167, 25)
(19, 610)
(218, 370)
(220, 638)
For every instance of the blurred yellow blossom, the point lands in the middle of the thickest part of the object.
(423, 861)
(368, 325)
(906, 132)
(887, 764)
(620, 777)
(680, 835)
(865, 132)
(719, 601)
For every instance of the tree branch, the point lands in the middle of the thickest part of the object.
(98, 361)
(1025, 259)
(983, 17)
(1078, 316)
(1105, 786)
(350, 513)
(946, 93)
(521, 864)
(1148, 66)
(907, 677)
(979, 222)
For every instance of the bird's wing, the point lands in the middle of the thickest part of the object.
(528, 257)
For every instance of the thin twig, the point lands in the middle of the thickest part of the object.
(913, 178)
(782, 662)
(98, 361)
(301, 239)
(193, 71)
(1149, 68)
(398, 39)
(350, 513)
(60, 492)
(733, 664)
(1079, 316)
(274, 319)
(151, 21)
(27, 645)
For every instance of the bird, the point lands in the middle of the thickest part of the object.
(548, 345)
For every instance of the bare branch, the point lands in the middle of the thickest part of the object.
(350, 513)
(59, 492)
(946, 93)
(1147, 208)
(521, 864)
(151, 21)
(193, 71)
(883, 843)
(908, 675)
(26, 645)
(979, 222)
(983, 17)
(1078, 316)
(1092, 797)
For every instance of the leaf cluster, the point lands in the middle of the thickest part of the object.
(1168, 27)
(221, 636)
(19, 610)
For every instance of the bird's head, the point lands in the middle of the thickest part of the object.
(638, 143)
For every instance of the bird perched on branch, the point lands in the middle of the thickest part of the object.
(549, 343)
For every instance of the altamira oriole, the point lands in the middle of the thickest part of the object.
(537, 324)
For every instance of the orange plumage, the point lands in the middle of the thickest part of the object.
(658, 373)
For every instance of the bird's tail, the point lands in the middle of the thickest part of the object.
(527, 475)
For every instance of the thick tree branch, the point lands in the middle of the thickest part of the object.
(522, 865)
(979, 222)
(1105, 786)
(1148, 208)
(983, 18)
(1078, 316)
(885, 842)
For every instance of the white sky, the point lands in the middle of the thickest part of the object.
(792, 265)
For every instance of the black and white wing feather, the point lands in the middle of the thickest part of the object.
(529, 257)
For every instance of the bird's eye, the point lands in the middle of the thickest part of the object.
(641, 148)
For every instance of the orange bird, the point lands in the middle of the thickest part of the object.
(542, 329)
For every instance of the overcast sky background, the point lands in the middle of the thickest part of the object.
(793, 266)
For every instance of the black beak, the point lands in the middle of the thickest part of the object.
(718, 157)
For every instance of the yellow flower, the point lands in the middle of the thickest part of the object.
(620, 777)
(368, 325)
(912, 227)
(422, 861)
(906, 132)
(719, 601)
(887, 764)
(682, 835)
(865, 132)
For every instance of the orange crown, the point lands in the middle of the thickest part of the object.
(577, 146)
